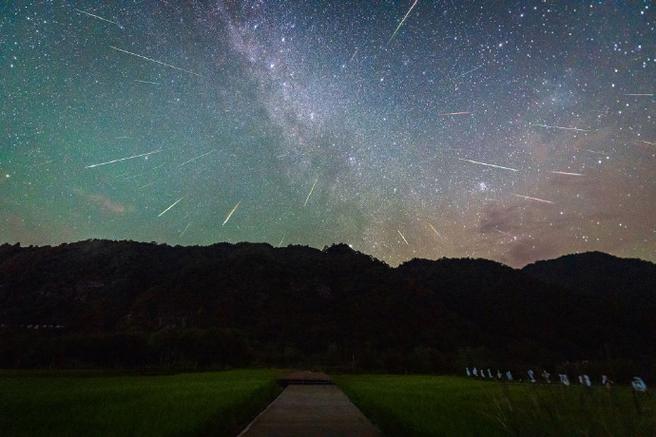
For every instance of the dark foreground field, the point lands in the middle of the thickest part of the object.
(188, 404)
(441, 405)
(37, 403)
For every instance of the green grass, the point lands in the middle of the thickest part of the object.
(441, 405)
(78, 404)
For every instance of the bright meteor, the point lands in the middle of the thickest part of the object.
(405, 17)
(535, 199)
(98, 17)
(170, 207)
(154, 60)
(113, 161)
(146, 81)
(575, 129)
(232, 211)
(311, 191)
(196, 158)
(567, 173)
(403, 237)
(486, 164)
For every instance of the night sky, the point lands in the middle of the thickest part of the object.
(513, 131)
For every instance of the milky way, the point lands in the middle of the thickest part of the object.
(513, 131)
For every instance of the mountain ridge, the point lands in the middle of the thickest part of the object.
(282, 305)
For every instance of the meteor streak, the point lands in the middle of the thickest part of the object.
(596, 152)
(406, 241)
(470, 71)
(433, 229)
(196, 158)
(405, 17)
(154, 60)
(566, 173)
(113, 161)
(536, 199)
(471, 161)
(651, 143)
(575, 129)
(146, 81)
(98, 17)
(185, 229)
(232, 211)
(150, 184)
(353, 55)
(170, 206)
(311, 191)
(454, 113)
(640, 94)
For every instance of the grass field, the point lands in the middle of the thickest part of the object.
(440, 405)
(78, 404)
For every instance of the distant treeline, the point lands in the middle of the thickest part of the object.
(125, 304)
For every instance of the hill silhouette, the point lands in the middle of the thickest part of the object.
(128, 304)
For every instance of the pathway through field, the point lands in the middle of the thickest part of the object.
(310, 405)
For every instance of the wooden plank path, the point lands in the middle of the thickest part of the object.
(310, 405)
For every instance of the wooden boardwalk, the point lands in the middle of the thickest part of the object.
(310, 405)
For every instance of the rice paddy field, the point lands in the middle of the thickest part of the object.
(89, 403)
(60, 403)
(416, 405)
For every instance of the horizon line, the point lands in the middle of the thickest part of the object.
(173, 246)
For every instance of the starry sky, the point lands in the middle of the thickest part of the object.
(508, 130)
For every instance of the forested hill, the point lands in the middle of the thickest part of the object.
(131, 304)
